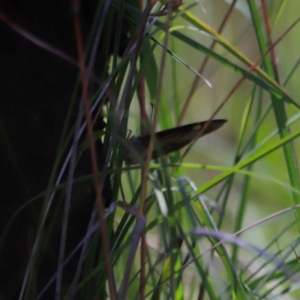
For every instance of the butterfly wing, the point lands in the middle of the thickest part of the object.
(174, 139)
(168, 141)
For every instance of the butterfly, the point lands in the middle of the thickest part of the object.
(167, 141)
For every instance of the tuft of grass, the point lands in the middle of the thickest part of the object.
(216, 221)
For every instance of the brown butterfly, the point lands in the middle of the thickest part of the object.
(167, 141)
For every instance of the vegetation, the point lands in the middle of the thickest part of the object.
(216, 220)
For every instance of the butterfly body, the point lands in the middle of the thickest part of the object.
(168, 141)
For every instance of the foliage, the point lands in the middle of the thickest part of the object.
(216, 221)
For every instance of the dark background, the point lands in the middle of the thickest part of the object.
(35, 95)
